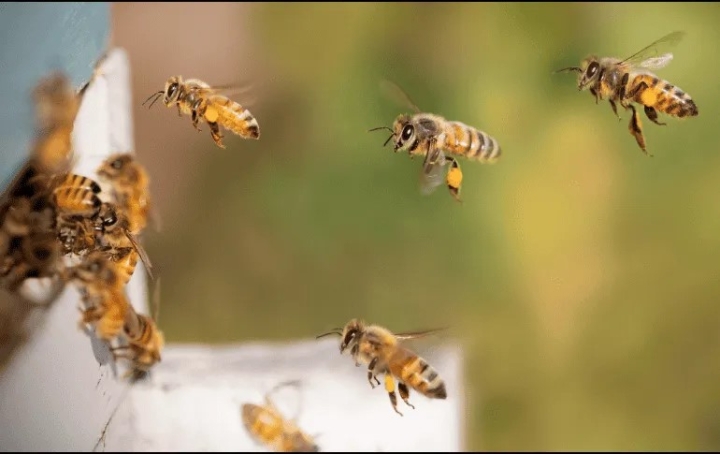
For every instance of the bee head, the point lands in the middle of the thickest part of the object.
(115, 165)
(588, 72)
(404, 132)
(172, 90)
(304, 443)
(95, 268)
(351, 334)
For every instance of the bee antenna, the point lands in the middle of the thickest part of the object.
(155, 95)
(381, 127)
(334, 331)
(568, 69)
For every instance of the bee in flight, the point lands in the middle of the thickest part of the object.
(202, 102)
(440, 141)
(383, 353)
(630, 81)
(269, 427)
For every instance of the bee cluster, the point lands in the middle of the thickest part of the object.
(65, 228)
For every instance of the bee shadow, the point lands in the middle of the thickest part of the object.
(101, 351)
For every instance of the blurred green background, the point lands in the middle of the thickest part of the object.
(580, 276)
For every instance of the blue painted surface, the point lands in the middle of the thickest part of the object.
(36, 39)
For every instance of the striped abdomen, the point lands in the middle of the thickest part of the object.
(416, 373)
(77, 181)
(113, 318)
(467, 141)
(662, 96)
(264, 425)
(76, 201)
(126, 266)
(232, 116)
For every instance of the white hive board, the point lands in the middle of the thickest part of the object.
(191, 401)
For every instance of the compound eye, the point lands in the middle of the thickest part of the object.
(110, 220)
(94, 267)
(407, 132)
(592, 69)
(172, 89)
(116, 164)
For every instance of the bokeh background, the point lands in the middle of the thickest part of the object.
(580, 276)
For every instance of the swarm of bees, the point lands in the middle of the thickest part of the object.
(69, 228)
(59, 225)
(270, 428)
(629, 81)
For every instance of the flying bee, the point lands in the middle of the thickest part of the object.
(382, 351)
(201, 101)
(144, 339)
(630, 81)
(440, 141)
(269, 427)
(106, 306)
(130, 186)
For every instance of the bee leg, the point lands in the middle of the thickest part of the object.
(454, 178)
(390, 388)
(405, 394)
(635, 128)
(216, 135)
(653, 116)
(179, 111)
(614, 108)
(195, 120)
(595, 94)
(370, 374)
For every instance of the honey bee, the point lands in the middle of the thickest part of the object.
(56, 106)
(86, 223)
(630, 81)
(144, 339)
(269, 427)
(106, 306)
(439, 141)
(382, 351)
(201, 101)
(130, 186)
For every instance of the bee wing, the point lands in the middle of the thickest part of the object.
(230, 90)
(397, 94)
(657, 62)
(433, 171)
(652, 52)
(141, 252)
(419, 334)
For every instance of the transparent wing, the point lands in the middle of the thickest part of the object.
(657, 62)
(397, 94)
(419, 334)
(653, 53)
(141, 252)
(433, 171)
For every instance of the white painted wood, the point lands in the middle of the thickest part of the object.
(61, 388)
(192, 399)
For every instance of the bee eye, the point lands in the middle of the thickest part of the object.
(172, 89)
(110, 220)
(116, 164)
(407, 132)
(592, 69)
